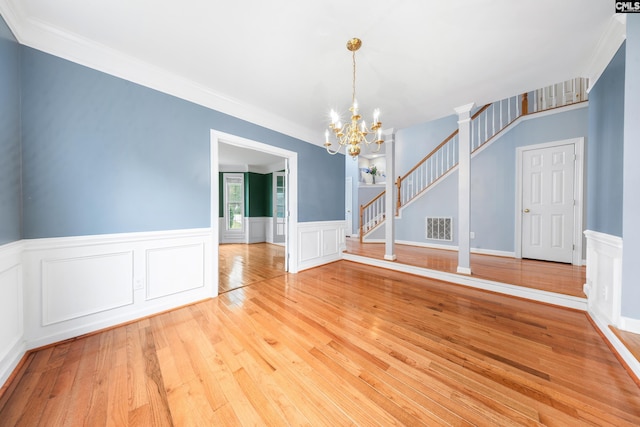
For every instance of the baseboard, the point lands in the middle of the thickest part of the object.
(480, 251)
(630, 325)
(623, 352)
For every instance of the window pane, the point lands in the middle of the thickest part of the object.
(234, 191)
(234, 216)
(234, 201)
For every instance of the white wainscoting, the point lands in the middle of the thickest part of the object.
(257, 229)
(232, 236)
(76, 285)
(12, 345)
(604, 292)
(269, 230)
(604, 276)
(320, 243)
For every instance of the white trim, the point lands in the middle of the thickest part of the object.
(620, 348)
(611, 40)
(630, 325)
(578, 194)
(463, 270)
(12, 344)
(480, 251)
(96, 239)
(218, 137)
(274, 202)
(226, 176)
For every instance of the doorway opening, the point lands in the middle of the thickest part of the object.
(234, 154)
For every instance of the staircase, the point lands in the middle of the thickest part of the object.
(486, 124)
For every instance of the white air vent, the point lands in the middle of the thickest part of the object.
(439, 228)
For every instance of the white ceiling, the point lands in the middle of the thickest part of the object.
(283, 63)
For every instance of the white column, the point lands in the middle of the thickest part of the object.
(464, 187)
(390, 199)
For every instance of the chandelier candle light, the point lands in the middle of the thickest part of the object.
(352, 134)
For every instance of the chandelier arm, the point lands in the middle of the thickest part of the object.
(333, 153)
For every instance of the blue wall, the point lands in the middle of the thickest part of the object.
(605, 149)
(415, 142)
(10, 200)
(104, 155)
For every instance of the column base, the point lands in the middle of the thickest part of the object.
(464, 270)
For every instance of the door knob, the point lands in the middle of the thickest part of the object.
(526, 211)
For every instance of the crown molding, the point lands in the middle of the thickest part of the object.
(72, 47)
(611, 40)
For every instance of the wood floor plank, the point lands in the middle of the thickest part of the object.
(339, 345)
(548, 276)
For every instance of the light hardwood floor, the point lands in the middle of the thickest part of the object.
(241, 265)
(342, 344)
(547, 276)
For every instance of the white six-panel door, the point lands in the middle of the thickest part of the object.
(548, 203)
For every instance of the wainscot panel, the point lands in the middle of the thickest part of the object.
(77, 285)
(320, 243)
(604, 292)
(175, 269)
(604, 276)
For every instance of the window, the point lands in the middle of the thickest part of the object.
(234, 201)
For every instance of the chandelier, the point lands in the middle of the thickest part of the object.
(354, 133)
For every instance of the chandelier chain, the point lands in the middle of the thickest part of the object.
(353, 91)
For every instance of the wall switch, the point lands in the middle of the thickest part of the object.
(138, 284)
(472, 235)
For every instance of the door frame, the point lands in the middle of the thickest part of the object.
(274, 212)
(348, 196)
(578, 195)
(291, 245)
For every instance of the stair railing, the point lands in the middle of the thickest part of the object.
(372, 214)
(486, 124)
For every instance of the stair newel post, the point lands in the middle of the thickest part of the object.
(525, 104)
(398, 200)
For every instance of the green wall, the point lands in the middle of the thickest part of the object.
(257, 194)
